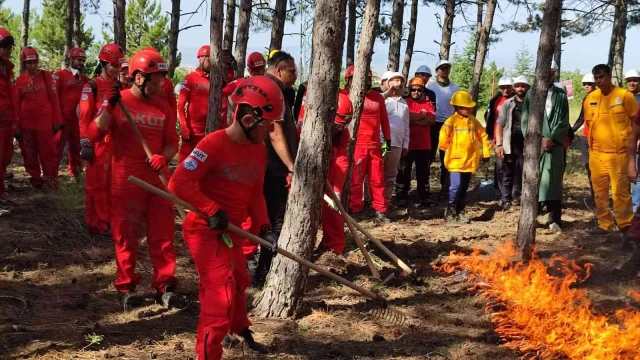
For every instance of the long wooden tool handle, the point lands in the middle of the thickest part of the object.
(147, 151)
(356, 237)
(256, 239)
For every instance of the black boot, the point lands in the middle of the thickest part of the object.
(262, 270)
(247, 335)
(170, 300)
(382, 217)
(130, 300)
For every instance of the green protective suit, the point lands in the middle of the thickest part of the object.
(555, 126)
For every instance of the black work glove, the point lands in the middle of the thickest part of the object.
(219, 220)
(86, 153)
(114, 95)
(56, 128)
(17, 135)
(268, 235)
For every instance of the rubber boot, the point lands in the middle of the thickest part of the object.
(247, 335)
(170, 300)
(130, 300)
(450, 214)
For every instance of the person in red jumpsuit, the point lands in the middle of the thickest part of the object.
(69, 83)
(8, 111)
(332, 220)
(368, 155)
(132, 206)
(39, 120)
(97, 154)
(166, 92)
(223, 178)
(123, 77)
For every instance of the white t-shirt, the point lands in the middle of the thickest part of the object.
(443, 95)
(398, 112)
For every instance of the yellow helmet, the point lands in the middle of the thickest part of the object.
(272, 52)
(462, 98)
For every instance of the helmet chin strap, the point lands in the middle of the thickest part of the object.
(143, 86)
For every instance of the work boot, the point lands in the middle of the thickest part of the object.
(597, 231)
(130, 300)
(247, 335)
(462, 218)
(401, 200)
(170, 300)
(555, 228)
(506, 206)
(382, 217)
(450, 214)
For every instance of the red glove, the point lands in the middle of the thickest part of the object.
(157, 162)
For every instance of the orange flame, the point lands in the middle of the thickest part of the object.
(541, 315)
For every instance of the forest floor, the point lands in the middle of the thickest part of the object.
(57, 300)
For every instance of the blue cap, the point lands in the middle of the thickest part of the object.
(424, 69)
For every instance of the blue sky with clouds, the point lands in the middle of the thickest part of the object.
(579, 52)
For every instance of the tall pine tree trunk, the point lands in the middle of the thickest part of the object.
(557, 53)
(242, 36)
(174, 30)
(287, 279)
(77, 24)
(526, 236)
(358, 84)
(411, 39)
(215, 90)
(277, 25)
(482, 48)
(229, 24)
(351, 31)
(68, 31)
(447, 29)
(24, 41)
(396, 35)
(119, 36)
(618, 39)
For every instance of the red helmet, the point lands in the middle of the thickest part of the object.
(148, 62)
(348, 73)
(205, 50)
(77, 52)
(111, 53)
(29, 53)
(151, 48)
(255, 60)
(262, 94)
(6, 39)
(344, 112)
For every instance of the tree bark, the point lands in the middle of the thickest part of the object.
(68, 34)
(351, 32)
(174, 30)
(396, 35)
(618, 40)
(242, 36)
(557, 53)
(119, 36)
(229, 25)
(447, 29)
(77, 24)
(526, 235)
(287, 279)
(277, 29)
(482, 48)
(411, 39)
(24, 41)
(216, 70)
(358, 84)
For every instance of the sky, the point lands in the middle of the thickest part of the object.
(578, 53)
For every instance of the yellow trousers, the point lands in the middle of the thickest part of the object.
(611, 169)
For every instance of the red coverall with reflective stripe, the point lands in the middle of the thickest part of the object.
(132, 206)
(39, 110)
(220, 174)
(8, 117)
(332, 221)
(98, 172)
(368, 155)
(69, 89)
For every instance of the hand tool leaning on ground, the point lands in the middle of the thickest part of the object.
(386, 313)
(356, 237)
(143, 142)
(351, 223)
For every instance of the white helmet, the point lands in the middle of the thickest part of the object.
(633, 73)
(505, 81)
(588, 78)
(522, 79)
(554, 65)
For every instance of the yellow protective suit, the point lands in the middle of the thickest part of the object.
(461, 138)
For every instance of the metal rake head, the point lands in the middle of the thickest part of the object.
(389, 315)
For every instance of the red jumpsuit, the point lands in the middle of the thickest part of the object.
(8, 117)
(332, 221)
(368, 155)
(98, 172)
(167, 95)
(220, 174)
(39, 110)
(69, 89)
(132, 206)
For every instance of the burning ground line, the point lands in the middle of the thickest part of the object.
(541, 315)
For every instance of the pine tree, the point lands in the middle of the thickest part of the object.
(462, 64)
(524, 62)
(11, 22)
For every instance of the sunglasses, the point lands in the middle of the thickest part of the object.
(588, 84)
(416, 90)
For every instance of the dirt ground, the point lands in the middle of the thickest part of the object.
(57, 300)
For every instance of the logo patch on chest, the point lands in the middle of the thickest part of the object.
(199, 154)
